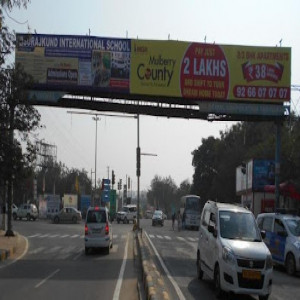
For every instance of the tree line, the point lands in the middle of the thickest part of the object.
(216, 159)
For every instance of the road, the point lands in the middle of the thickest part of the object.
(178, 253)
(56, 266)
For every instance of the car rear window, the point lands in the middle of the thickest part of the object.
(96, 216)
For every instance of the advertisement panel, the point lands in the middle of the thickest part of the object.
(209, 71)
(263, 174)
(75, 63)
(70, 201)
(198, 71)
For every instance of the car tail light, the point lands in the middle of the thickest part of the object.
(106, 228)
(86, 230)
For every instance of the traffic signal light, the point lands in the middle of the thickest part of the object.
(113, 178)
(129, 183)
(102, 185)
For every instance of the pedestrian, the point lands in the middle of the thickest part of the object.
(173, 220)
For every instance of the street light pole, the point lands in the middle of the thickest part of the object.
(138, 170)
(96, 119)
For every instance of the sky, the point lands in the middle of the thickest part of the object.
(231, 22)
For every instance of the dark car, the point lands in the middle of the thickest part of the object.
(158, 218)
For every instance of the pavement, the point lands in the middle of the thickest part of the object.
(12, 248)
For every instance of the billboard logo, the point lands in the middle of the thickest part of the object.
(162, 69)
(62, 75)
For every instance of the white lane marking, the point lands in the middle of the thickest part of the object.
(35, 235)
(120, 279)
(167, 237)
(74, 236)
(63, 236)
(152, 236)
(192, 239)
(159, 236)
(53, 236)
(52, 250)
(115, 236)
(78, 255)
(82, 236)
(176, 287)
(180, 238)
(48, 277)
(44, 235)
(36, 250)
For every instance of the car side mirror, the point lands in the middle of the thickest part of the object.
(263, 234)
(212, 230)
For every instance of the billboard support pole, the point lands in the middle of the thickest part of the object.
(277, 163)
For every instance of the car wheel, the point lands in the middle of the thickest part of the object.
(199, 270)
(118, 220)
(125, 221)
(33, 219)
(107, 249)
(56, 219)
(14, 216)
(86, 250)
(217, 282)
(74, 220)
(28, 217)
(290, 265)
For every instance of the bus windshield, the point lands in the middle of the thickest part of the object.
(192, 204)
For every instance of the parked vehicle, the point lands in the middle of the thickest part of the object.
(231, 251)
(67, 214)
(128, 213)
(98, 229)
(158, 218)
(28, 211)
(14, 209)
(282, 238)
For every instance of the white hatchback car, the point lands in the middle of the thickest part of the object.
(98, 230)
(231, 251)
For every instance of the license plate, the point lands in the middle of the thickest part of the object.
(96, 230)
(250, 274)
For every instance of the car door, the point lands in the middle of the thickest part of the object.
(204, 240)
(278, 240)
(266, 224)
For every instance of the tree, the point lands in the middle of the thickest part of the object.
(16, 116)
(162, 193)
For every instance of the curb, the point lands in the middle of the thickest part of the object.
(153, 282)
(6, 253)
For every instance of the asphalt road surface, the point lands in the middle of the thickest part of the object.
(56, 267)
(177, 251)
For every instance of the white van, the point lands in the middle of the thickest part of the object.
(231, 251)
(98, 229)
(128, 213)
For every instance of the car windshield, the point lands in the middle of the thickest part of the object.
(158, 214)
(96, 216)
(294, 226)
(239, 226)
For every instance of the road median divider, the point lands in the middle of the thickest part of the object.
(153, 281)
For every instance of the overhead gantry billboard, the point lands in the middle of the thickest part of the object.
(147, 68)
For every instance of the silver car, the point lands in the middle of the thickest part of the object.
(98, 229)
(67, 214)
